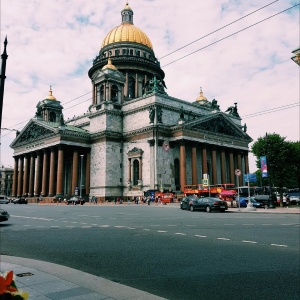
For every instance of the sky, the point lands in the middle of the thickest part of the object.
(234, 53)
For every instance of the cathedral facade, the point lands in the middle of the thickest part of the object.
(134, 137)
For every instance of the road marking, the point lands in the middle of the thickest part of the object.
(251, 242)
(229, 224)
(201, 236)
(104, 226)
(54, 226)
(180, 233)
(171, 225)
(69, 226)
(119, 226)
(277, 245)
(146, 229)
(224, 239)
(86, 226)
(161, 231)
(266, 224)
(27, 225)
(130, 227)
(248, 224)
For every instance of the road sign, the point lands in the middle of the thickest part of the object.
(250, 177)
(205, 181)
(238, 172)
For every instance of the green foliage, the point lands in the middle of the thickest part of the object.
(283, 159)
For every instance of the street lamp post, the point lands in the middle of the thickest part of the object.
(81, 164)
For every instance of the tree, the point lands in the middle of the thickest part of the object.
(283, 160)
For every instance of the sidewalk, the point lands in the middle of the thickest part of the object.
(45, 281)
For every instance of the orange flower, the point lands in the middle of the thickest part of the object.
(7, 283)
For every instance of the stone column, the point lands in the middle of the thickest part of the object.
(194, 165)
(223, 166)
(93, 96)
(204, 160)
(60, 172)
(75, 170)
(87, 173)
(152, 164)
(20, 176)
(239, 165)
(214, 166)
(45, 174)
(126, 85)
(231, 168)
(26, 175)
(129, 169)
(246, 162)
(31, 174)
(15, 177)
(52, 172)
(140, 169)
(182, 167)
(136, 86)
(38, 174)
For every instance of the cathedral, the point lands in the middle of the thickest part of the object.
(134, 137)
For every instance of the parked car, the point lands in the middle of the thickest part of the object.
(206, 203)
(295, 200)
(3, 199)
(244, 203)
(4, 215)
(75, 201)
(21, 200)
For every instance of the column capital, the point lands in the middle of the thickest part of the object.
(151, 142)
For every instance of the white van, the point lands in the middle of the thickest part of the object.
(3, 199)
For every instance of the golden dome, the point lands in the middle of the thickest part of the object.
(109, 65)
(50, 96)
(127, 32)
(201, 98)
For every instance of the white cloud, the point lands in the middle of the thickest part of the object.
(54, 43)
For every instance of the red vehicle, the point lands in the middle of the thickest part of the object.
(164, 197)
(202, 191)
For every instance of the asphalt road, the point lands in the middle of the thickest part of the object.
(163, 250)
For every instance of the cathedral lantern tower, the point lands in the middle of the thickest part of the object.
(131, 52)
(49, 109)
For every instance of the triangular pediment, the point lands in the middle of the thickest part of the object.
(217, 123)
(33, 132)
(101, 75)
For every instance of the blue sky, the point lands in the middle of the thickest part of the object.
(54, 43)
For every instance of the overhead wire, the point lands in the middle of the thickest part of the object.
(217, 30)
(230, 35)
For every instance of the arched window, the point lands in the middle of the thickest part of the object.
(102, 93)
(114, 93)
(131, 87)
(136, 168)
(52, 117)
(177, 174)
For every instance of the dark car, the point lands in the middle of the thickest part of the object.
(4, 216)
(20, 201)
(75, 201)
(256, 204)
(206, 203)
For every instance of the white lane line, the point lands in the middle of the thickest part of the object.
(277, 245)
(251, 242)
(104, 226)
(248, 224)
(229, 224)
(180, 233)
(130, 228)
(162, 231)
(119, 226)
(69, 226)
(201, 236)
(74, 222)
(86, 226)
(146, 229)
(266, 224)
(94, 224)
(224, 239)
(27, 225)
(54, 226)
